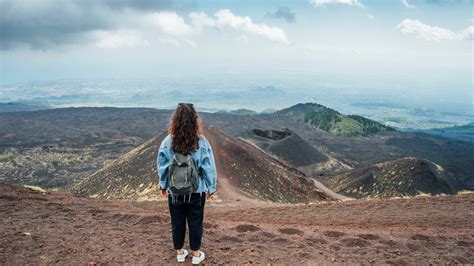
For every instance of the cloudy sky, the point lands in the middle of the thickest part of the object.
(423, 45)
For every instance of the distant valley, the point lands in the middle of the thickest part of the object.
(378, 103)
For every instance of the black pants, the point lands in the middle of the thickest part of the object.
(183, 209)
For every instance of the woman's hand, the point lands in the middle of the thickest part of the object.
(210, 196)
(164, 193)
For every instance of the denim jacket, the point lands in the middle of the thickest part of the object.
(202, 157)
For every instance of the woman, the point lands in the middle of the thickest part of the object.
(186, 155)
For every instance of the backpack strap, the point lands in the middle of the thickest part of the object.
(176, 160)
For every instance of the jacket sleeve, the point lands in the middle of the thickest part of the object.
(208, 167)
(163, 162)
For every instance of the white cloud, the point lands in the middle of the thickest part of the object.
(432, 33)
(172, 24)
(118, 39)
(468, 33)
(226, 19)
(175, 31)
(370, 16)
(407, 4)
(169, 23)
(201, 20)
(346, 2)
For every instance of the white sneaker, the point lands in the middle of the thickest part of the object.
(197, 260)
(182, 257)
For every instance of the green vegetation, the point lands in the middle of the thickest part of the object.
(7, 156)
(55, 163)
(370, 126)
(349, 128)
(336, 123)
(324, 119)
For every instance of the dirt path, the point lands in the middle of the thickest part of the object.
(329, 192)
(229, 194)
(56, 228)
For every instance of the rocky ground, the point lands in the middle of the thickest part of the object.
(404, 177)
(56, 228)
(56, 166)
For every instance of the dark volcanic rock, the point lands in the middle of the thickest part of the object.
(404, 177)
(286, 145)
(272, 134)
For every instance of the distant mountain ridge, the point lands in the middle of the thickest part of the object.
(332, 121)
(244, 111)
(241, 111)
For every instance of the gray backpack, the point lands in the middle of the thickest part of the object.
(183, 176)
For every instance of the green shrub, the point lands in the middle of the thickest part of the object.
(336, 123)
(349, 128)
(324, 119)
(7, 156)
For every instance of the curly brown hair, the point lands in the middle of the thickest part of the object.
(185, 128)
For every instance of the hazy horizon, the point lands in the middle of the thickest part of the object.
(413, 54)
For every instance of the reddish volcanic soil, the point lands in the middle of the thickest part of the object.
(57, 228)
